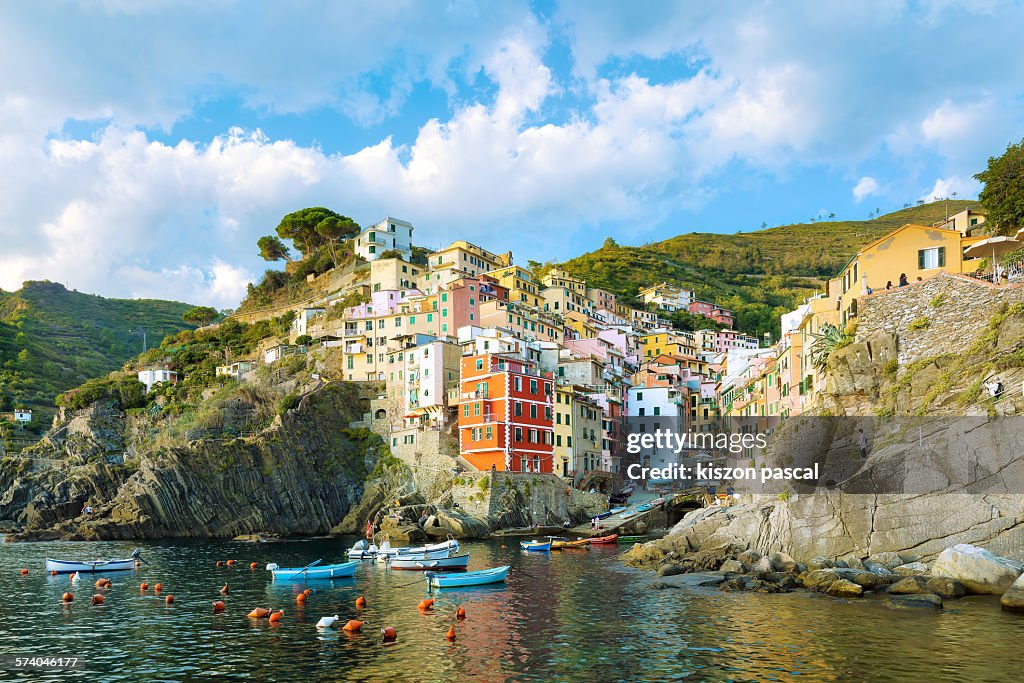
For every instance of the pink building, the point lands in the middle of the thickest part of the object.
(384, 302)
(722, 316)
(726, 340)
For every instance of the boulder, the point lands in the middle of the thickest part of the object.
(888, 560)
(877, 568)
(749, 557)
(844, 589)
(911, 585)
(670, 570)
(946, 587)
(733, 567)
(762, 566)
(851, 562)
(781, 562)
(820, 563)
(911, 569)
(979, 570)
(644, 555)
(821, 579)
(916, 601)
(1013, 598)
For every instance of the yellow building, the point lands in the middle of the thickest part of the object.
(460, 259)
(556, 277)
(670, 343)
(578, 423)
(521, 286)
(911, 252)
(581, 324)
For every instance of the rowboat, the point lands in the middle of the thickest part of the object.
(564, 545)
(651, 505)
(327, 571)
(604, 540)
(630, 539)
(536, 546)
(457, 562)
(478, 578)
(386, 551)
(70, 567)
(604, 515)
(616, 511)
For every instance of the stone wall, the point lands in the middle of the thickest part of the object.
(543, 499)
(956, 308)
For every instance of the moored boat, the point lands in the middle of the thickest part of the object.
(316, 571)
(651, 505)
(72, 566)
(630, 539)
(387, 551)
(616, 511)
(477, 578)
(566, 545)
(536, 546)
(415, 564)
(604, 540)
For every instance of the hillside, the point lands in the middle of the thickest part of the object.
(52, 339)
(754, 273)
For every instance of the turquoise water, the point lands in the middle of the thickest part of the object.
(569, 616)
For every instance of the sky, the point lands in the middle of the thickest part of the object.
(145, 147)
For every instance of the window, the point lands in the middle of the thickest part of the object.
(558, 440)
(489, 432)
(547, 413)
(639, 395)
(476, 409)
(657, 410)
(444, 297)
(568, 441)
(533, 411)
(533, 386)
(518, 434)
(479, 363)
(517, 409)
(430, 317)
(518, 383)
(373, 250)
(931, 258)
(465, 410)
(412, 320)
(641, 412)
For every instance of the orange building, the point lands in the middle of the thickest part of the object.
(505, 414)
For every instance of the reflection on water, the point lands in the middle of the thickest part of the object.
(570, 616)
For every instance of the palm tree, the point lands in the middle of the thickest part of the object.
(827, 340)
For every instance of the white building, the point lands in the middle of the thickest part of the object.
(22, 415)
(153, 376)
(657, 408)
(282, 351)
(390, 233)
(304, 318)
(667, 297)
(430, 370)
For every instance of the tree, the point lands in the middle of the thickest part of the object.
(272, 248)
(335, 228)
(200, 315)
(301, 227)
(1003, 194)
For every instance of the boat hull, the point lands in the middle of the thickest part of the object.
(535, 547)
(420, 565)
(478, 578)
(566, 545)
(331, 571)
(69, 567)
(630, 539)
(604, 540)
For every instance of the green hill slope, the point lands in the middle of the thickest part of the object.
(758, 274)
(52, 340)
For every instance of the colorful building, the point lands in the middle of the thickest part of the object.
(391, 234)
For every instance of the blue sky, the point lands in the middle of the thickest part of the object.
(145, 147)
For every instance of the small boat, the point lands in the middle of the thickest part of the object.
(362, 550)
(536, 546)
(477, 578)
(630, 539)
(326, 571)
(565, 545)
(604, 540)
(616, 511)
(72, 566)
(604, 515)
(651, 505)
(386, 551)
(417, 564)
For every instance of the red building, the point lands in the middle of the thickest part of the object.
(722, 316)
(505, 414)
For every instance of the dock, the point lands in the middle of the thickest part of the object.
(631, 521)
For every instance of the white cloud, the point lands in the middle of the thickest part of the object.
(865, 187)
(945, 187)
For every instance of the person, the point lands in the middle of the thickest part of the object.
(566, 524)
(862, 443)
(494, 468)
(369, 528)
(423, 519)
(995, 387)
(888, 285)
(903, 280)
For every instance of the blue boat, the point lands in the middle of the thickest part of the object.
(536, 546)
(327, 571)
(478, 578)
(616, 511)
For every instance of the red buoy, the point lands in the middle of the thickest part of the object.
(451, 633)
(460, 614)
(389, 633)
(360, 602)
(218, 606)
(169, 599)
(353, 625)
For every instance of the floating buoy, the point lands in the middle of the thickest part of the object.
(97, 599)
(352, 625)
(300, 598)
(67, 597)
(106, 583)
(143, 586)
(220, 563)
(24, 572)
(169, 599)
(451, 633)
(389, 633)
(460, 614)
(224, 590)
(360, 602)
(253, 565)
(138, 564)
(259, 613)
(218, 606)
(158, 587)
(276, 616)
(231, 563)
(327, 622)
(74, 577)
(100, 583)
(53, 572)
(503, 547)
(426, 605)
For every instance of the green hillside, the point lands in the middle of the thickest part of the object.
(759, 274)
(52, 339)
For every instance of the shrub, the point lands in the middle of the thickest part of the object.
(288, 403)
(919, 324)
(937, 300)
(891, 367)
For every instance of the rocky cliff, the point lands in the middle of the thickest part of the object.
(299, 475)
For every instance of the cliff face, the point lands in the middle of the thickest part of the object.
(298, 476)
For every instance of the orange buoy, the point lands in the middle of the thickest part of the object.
(97, 599)
(158, 587)
(53, 572)
(451, 633)
(24, 572)
(300, 598)
(100, 583)
(258, 613)
(224, 590)
(425, 605)
(308, 591)
(67, 597)
(276, 616)
(253, 565)
(353, 625)
(503, 547)
(169, 599)
(218, 606)
(460, 614)
(389, 633)
(220, 563)
(143, 586)
(360, 602)
(231, 563)
(106, 583)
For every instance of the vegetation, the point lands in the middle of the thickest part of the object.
(52, 339)
(311, 229)
(272, 248)
(827, 341)
(200, 316)
(1003, 194)
(125, 391)
(919, 324)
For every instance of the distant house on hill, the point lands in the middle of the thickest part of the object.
(390, 234)
(236, 369)
(22, 415)
(153, 376)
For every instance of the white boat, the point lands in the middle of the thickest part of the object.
(315, 571)
(72, 566)
(478, 578)
(386, 551)
(362, 550)
(413, 564)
